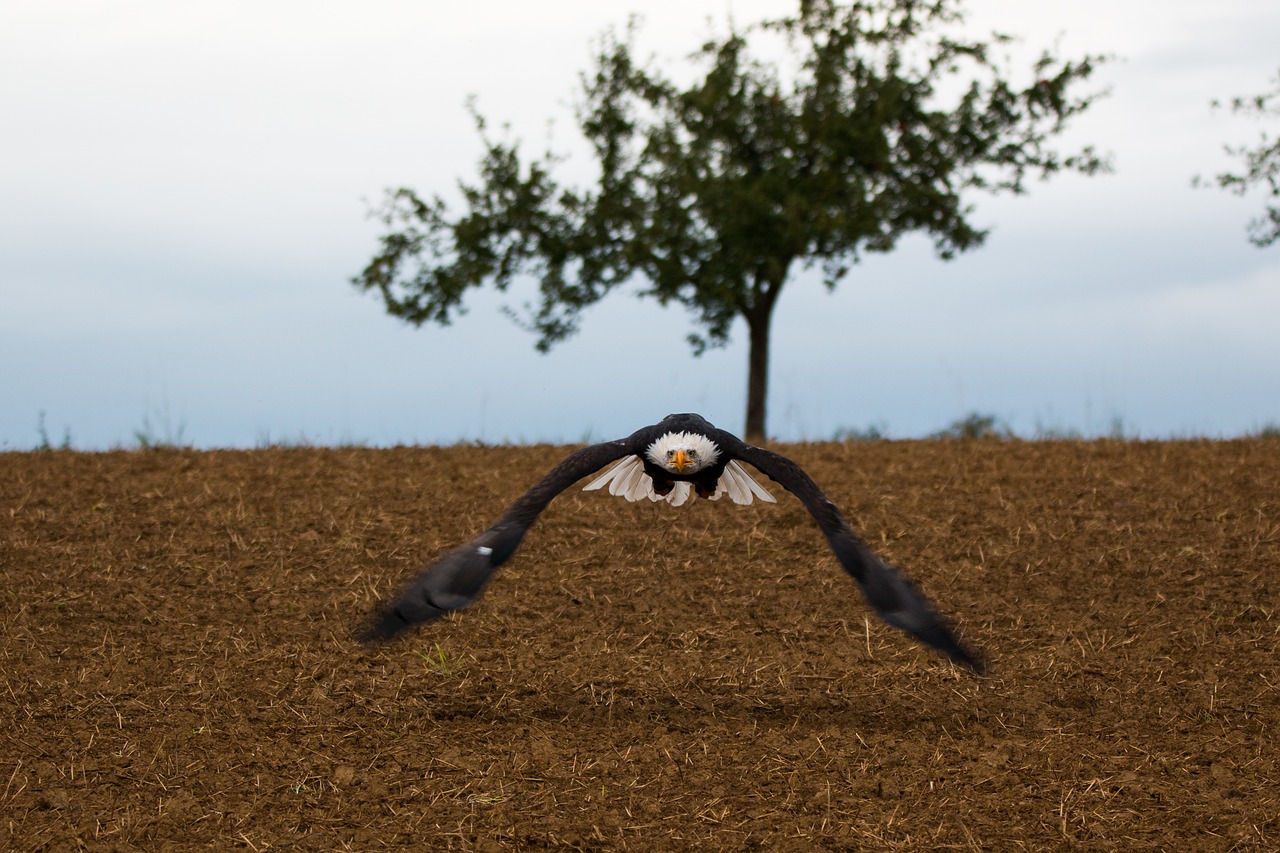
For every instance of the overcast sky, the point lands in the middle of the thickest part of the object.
(183, 200)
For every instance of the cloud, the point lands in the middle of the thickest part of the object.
(185, 194)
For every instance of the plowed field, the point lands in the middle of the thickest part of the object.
(176, 667)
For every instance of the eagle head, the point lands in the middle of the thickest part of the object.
(683, 453)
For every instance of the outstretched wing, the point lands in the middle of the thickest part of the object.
(453, 581)
(894, 598)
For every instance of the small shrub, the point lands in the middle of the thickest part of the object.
(873, 432)
(976, 425)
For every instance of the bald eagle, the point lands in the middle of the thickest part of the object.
(673, 460)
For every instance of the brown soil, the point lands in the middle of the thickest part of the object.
(176, 665)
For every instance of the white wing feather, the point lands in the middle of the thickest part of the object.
(624, 466)
(625, 484)
(727, 486)
(680, 493)
(744, 478)
(741, 491)
(740, 486)
(639, 486)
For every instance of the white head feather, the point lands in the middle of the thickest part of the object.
(699, 450)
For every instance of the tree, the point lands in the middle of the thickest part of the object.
(1261, 166)
(711, 195)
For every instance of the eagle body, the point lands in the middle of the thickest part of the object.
(676, 465)
(674, 460)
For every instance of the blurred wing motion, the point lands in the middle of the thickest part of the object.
(456, 579)
(891, 595)
(453, 581)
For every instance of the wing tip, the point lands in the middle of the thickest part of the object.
(382, 626)
(940, 637)
(961, 656)
(392, 621)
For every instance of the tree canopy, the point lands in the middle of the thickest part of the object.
(714, 194)
(1261, 166)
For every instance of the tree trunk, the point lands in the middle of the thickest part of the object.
(757, 372)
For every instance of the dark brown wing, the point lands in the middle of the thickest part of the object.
(454, 581)
(893, 597)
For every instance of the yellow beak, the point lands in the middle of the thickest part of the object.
(681, 461)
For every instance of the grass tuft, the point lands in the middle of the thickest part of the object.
(439, 661)
(163, 435)
(45, 444)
